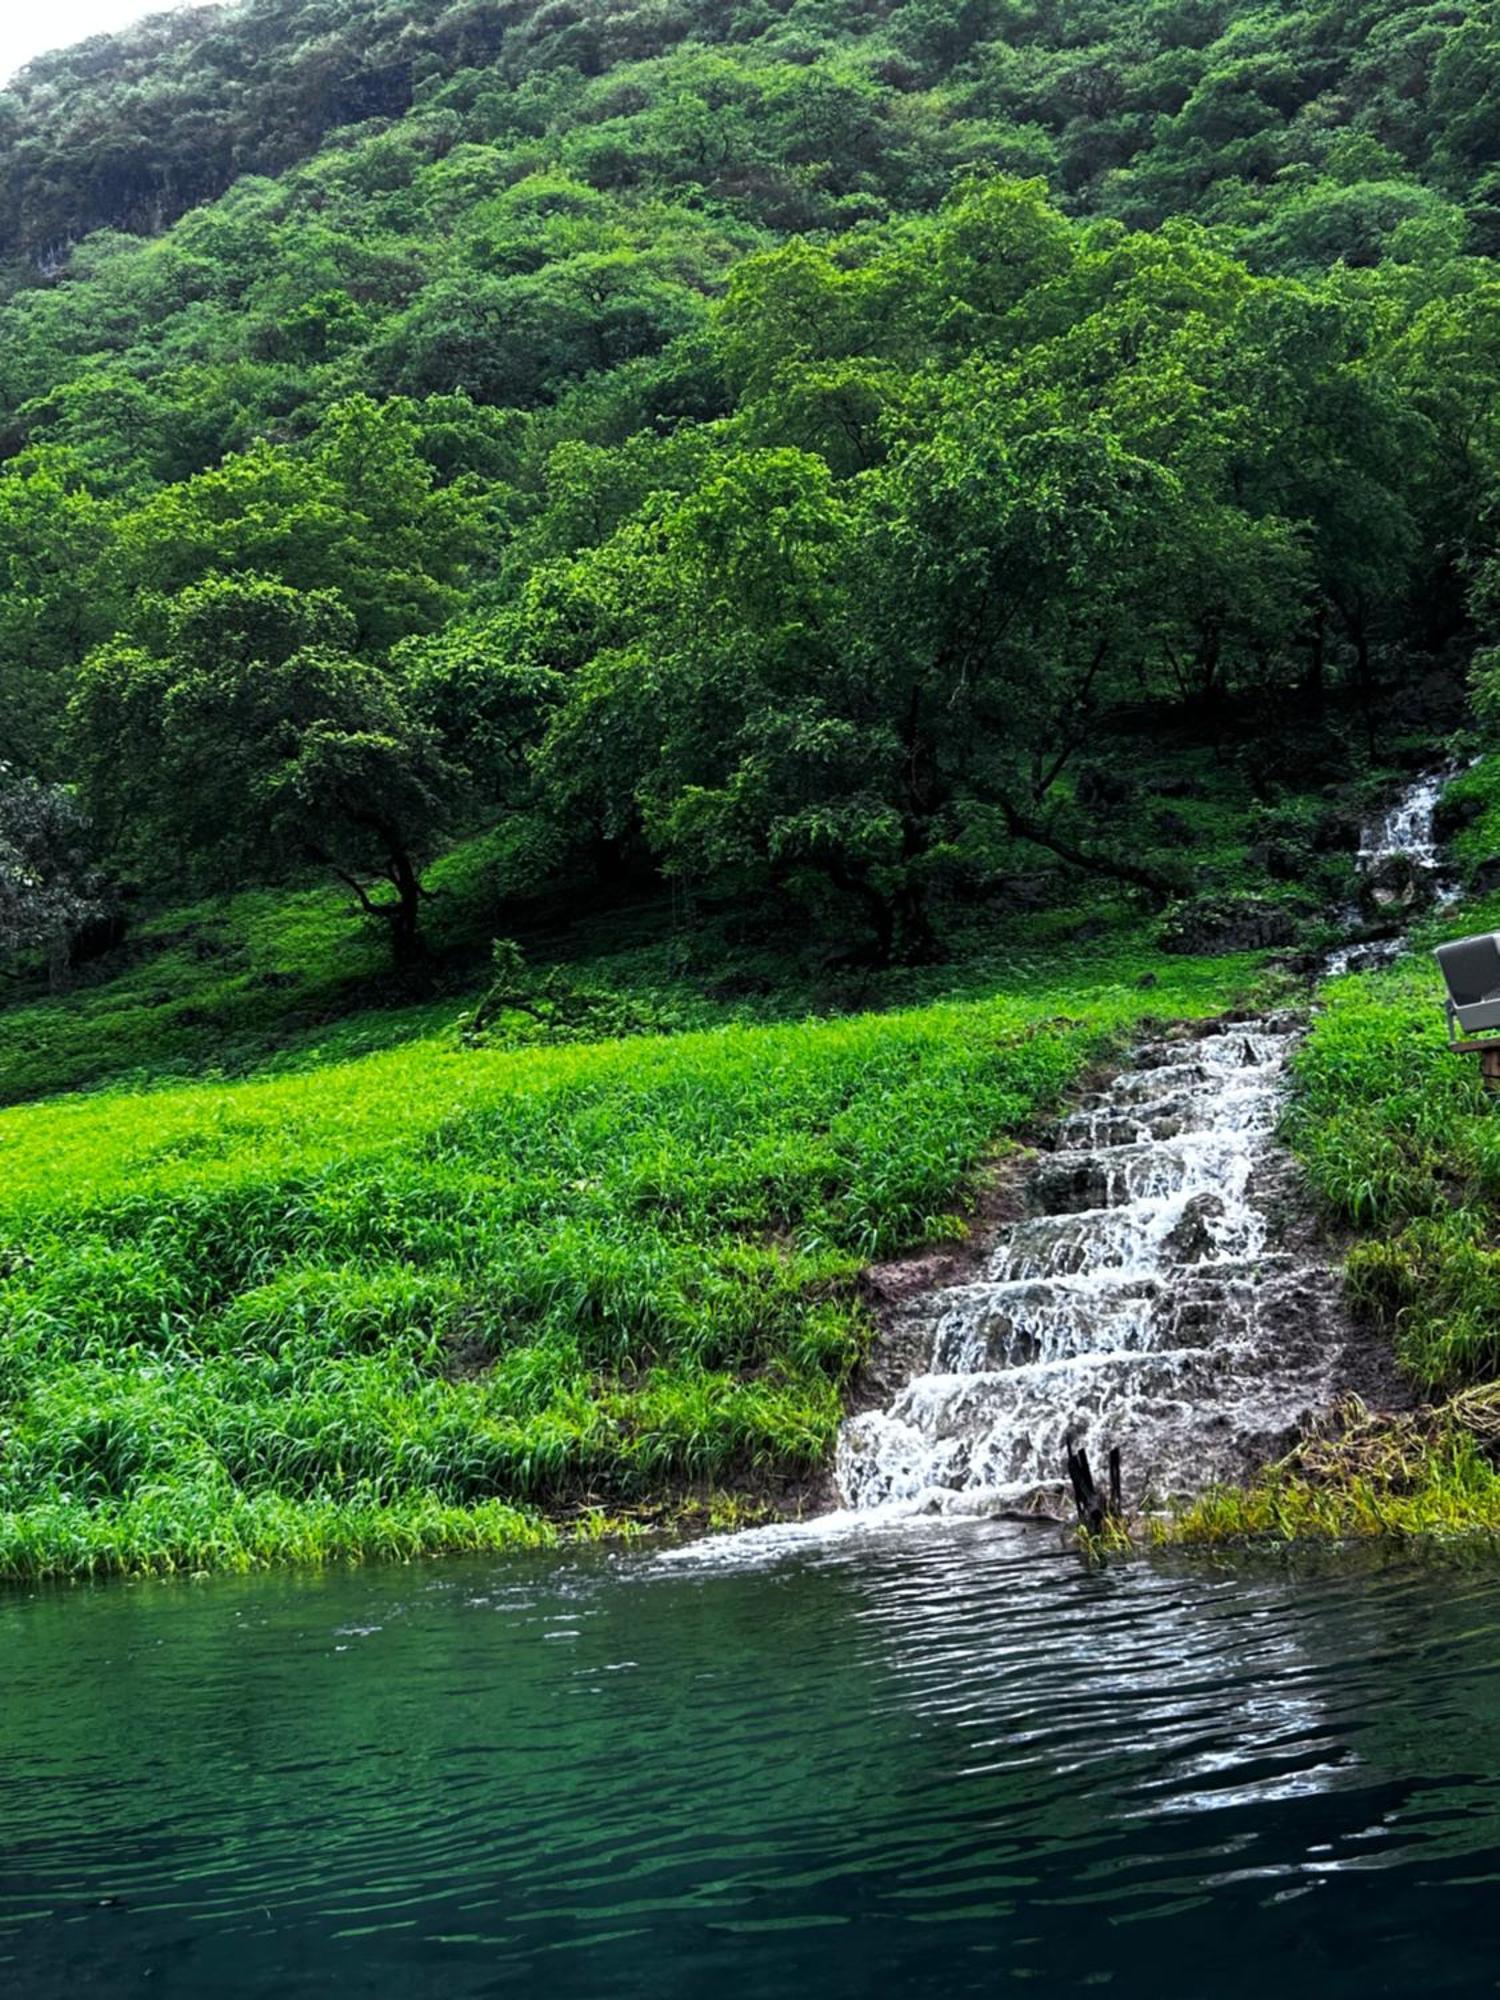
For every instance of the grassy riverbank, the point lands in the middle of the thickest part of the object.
(385, 1295)
(1401, 1143)
(1426, 1474)
(440, 1297)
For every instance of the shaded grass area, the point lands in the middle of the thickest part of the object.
(434, 1297)
(271, 980)
(228, 984)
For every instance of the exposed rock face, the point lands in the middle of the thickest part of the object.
(1396, 884)
(1207, 925)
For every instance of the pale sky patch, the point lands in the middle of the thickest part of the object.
(34, 27)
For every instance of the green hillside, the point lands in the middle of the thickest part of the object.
(628, 636)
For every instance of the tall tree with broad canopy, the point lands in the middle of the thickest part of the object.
(49, 887)
(252, 738)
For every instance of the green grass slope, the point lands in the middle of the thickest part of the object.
(437, 1297)
(1401, 1143)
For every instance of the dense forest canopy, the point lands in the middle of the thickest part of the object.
(1136, 110)
(767, 449)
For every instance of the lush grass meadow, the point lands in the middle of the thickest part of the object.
(442, 1297)
(232, 983)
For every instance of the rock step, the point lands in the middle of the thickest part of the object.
(1142, 1236)
(986, 1328)
(1187, 1415)
(1068, 1183)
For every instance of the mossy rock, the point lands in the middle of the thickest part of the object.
(1224, 923)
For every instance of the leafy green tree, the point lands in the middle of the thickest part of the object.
(717, 706)
(49, 887)
(1022, 576)
(361, 513)
(721, 457)
(809, 693)
(256, 742)
(1465, 100)
(55, 600)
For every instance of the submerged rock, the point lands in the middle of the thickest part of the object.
(1195, 1234)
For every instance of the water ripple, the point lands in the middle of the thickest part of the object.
(922, 1761)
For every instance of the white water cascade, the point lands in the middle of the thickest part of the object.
(1401, 865)
(1153, 1296)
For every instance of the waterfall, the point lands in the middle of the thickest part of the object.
(1398, 859)
(1153, 1295)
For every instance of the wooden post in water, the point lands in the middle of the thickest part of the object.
(1093, 1509)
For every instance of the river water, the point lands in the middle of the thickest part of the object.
(947, 1758)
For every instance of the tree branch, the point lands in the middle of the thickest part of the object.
(1023, 827)
(363, 895)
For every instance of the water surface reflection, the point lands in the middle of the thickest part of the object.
(932, 1760)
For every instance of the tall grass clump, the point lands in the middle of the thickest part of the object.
(1402, 1146)
(1429, 1474)
(435, 1297)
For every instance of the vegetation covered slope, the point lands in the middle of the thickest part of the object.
(821, 488)
(1401, 1145)
(326, 1312)
(1140, 110)
(822, 598)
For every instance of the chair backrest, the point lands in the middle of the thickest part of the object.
(1471, 968)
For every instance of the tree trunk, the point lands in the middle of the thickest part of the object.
(402, 917)
(918, 941)
(882, 922)
(1317, 648)
(877, 907)
(1366, 686)
(59, 966)
(407, 946)
(1094, 1510)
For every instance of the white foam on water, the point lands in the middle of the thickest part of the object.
(1407, 826)
(1077, 1322)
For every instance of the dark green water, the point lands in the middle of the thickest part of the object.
(935, 1762)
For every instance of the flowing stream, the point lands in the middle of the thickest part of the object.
(1156, 1295)
(1401, 867)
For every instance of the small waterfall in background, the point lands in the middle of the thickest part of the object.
(1155, 1295)
(1401, 870)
